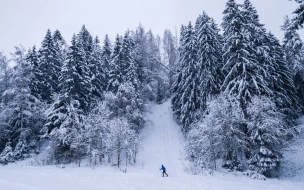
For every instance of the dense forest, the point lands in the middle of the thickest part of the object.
(235, 89)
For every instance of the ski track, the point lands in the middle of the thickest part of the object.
(162, 144)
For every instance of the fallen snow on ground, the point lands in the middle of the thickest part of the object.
(293, 162)
(162, 144)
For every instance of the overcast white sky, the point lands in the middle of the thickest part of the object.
(25, 21)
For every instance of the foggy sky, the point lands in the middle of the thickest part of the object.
(25, 21)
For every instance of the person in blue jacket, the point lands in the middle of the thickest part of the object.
(164, 170)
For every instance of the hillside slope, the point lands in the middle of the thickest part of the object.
(162, 144)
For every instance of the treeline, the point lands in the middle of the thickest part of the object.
(84, 100)
(237, 94)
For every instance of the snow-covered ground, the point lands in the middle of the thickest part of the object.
(293, 163)
(162, 144)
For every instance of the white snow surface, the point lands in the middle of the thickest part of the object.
(162, 144)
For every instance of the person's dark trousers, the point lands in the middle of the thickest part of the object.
(165, 173)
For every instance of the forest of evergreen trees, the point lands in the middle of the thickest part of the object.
(236, 94)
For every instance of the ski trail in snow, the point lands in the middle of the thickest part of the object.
(162, 143)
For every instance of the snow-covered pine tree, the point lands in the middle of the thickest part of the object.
(245, 75)
(269, 133)
(7, 154)
(22, 110)
(106, 53)
(294, 50)
(209, 58)
(86, 40)
(129, 65)
(186, 106)
(36, 84)
(281, 81)
(5, 73)
(5, 84)
(98, 71)
(60, 45)
(65, 117)
(298, 19)
(115, 73)
(176, 90)
(49, 67)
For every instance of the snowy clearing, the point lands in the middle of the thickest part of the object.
(162, 144)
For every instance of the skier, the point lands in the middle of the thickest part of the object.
(164, 170)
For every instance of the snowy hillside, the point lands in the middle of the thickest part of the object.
(162, 144)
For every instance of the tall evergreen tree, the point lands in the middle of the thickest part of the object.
(209, 57)
(245, 75)
(281, 81)
(106, 53)
(116, 67)
(97, 67)
(298, 19)
(49, 67)
(129, 65)
(186, 106)
(60, 45)
(75, 85)
(293, 47)
(5, 73)
(36, 84)
(23, 109)
(85, 38)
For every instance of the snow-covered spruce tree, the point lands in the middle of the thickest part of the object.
(5, 73)
(176, 90)
(65, 114)
(36, 84)
(123, 66)
(269, 133)
(23, 110)
(116, 67)
(293, 48)
(281, 81)
(129, 65)
(245, 75)
(186, 106)
(298, 19)
(106, 53)
(86, 40)
(98, 71)
(7, 154)
(60, 45)
(209, 58)
(94, 62)
(245, 67)
(49, 66)
(219, 135)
